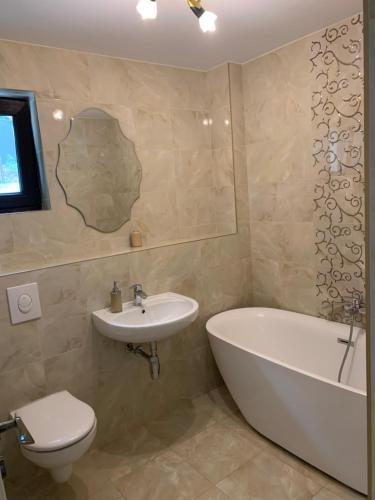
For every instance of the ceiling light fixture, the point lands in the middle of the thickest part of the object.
(207, 20)
(148, 9)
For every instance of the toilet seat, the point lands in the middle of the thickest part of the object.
(57, 421)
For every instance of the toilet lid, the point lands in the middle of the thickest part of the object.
(56, 421)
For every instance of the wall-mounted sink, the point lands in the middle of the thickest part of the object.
(159, 317)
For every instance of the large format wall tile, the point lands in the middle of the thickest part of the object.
(305, 179)
(179, 121)
(338, 152)
(62, 350)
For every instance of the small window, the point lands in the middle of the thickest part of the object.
(23, 184)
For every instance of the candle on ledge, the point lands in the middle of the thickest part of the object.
(135, 239)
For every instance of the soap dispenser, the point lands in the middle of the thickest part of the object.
(116, 301)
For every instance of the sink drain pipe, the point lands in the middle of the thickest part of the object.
(151, 357)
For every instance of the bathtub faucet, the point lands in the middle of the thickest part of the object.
(353, 305)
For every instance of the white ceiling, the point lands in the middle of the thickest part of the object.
(246, 28)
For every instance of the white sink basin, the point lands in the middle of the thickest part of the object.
(159, 317)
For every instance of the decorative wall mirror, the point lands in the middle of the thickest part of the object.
(99, 170)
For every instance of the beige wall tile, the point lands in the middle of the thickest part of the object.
(298, 291)
(222, 171)
(282, 146)
(30, 67)
(221, 131)
(196, 206)
(156, 216)
(266, 277)
(6, 236)
(158, 169)
(114, 82)
(153, 129)
(218, 85)
(21, 386)
(338, 153)
(194, 169)
(72, 371)
(191, 89)
(191, 129)
(168, 114)
(19, 345)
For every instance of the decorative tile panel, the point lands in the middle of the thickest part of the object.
(338, 160)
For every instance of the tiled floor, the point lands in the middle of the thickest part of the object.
(203, 450)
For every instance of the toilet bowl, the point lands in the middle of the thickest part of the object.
(63, 428)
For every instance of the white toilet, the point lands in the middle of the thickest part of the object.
(63, 428)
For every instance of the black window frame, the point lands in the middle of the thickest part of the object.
(21, 105)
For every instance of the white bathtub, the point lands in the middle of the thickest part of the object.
(281, 369)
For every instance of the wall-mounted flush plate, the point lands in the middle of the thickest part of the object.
(24, 303)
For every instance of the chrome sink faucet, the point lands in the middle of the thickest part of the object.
(139, 294)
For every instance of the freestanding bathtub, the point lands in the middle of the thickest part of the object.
(281, 369)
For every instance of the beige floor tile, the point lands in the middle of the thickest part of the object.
(180, 424)
(180, 455)
(44, 488)
(218, 403)
(299, 465)
(74, 490)
(239, 424)
(342, 492)
(108, 492)
(213, 494)
(166, 477)
(267, 478)
(216, 452)
(324, 494)
(15, 493)
(123, 456)
(86, 474)
(112, 461)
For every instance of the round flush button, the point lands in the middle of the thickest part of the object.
(25, 303)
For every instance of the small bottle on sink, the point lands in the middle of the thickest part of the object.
(116, 300)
